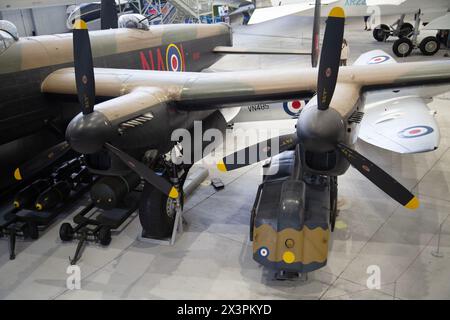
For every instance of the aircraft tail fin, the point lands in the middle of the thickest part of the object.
(108, 15)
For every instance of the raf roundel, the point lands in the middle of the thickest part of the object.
(263, 252)
(414, 132)
(174, 59)
(378, 59)
(293, 108)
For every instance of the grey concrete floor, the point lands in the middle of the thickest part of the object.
(213, 257)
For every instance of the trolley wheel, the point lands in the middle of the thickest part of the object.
(381, 33)
(104, 235)
(156, 212)
(406, 30)
(402, 47)
(429, 46)
(66, 232)
(31, 230)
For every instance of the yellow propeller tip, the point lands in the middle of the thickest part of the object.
(337, 12)
(17, 174)
(413, 204)
(39, 206)
(221, 166)
(16, 204)
(173, 193)
(80, 25)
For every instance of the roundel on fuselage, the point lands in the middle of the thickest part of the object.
(415, 132)
(294, 107)
(174, 59)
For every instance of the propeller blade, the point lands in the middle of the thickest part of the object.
(148, 174)
(84, 68)
(330, 57)
(108, 15)
(41, 161)
(315, 50)
(256, 153)
(380, 178)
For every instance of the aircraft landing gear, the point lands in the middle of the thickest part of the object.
(428, 46)
(157, 211)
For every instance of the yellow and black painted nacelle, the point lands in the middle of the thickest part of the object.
(291, 219)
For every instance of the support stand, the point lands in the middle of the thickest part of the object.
(437, 253)
(80, 248)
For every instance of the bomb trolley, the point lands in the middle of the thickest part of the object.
(96, 225)
(27, 222)
(37, 205)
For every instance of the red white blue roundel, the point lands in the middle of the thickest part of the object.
(294, 107)
(378, 59)
(414, 132)
(263, 252)
(174, 59)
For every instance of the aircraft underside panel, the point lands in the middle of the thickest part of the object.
(291, 230)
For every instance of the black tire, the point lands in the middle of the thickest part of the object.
(104, 235)
(429, 46)
(333, 202)
(31, 230)
(66, 232)
(406, 30)
(402, 47)
(381, 32)
(156, 213)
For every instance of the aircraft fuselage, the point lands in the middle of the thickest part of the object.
(29, 119)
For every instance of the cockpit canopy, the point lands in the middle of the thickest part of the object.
(8, 35)
(133, 21)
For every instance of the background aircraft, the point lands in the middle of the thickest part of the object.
(353, 8)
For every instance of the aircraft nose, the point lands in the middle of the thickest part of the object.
(86, 134)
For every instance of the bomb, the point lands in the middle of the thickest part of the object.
(27, 196)
(53, 196)
(109, 191)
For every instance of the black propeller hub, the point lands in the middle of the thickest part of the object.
(88, 133)
(320, 130)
